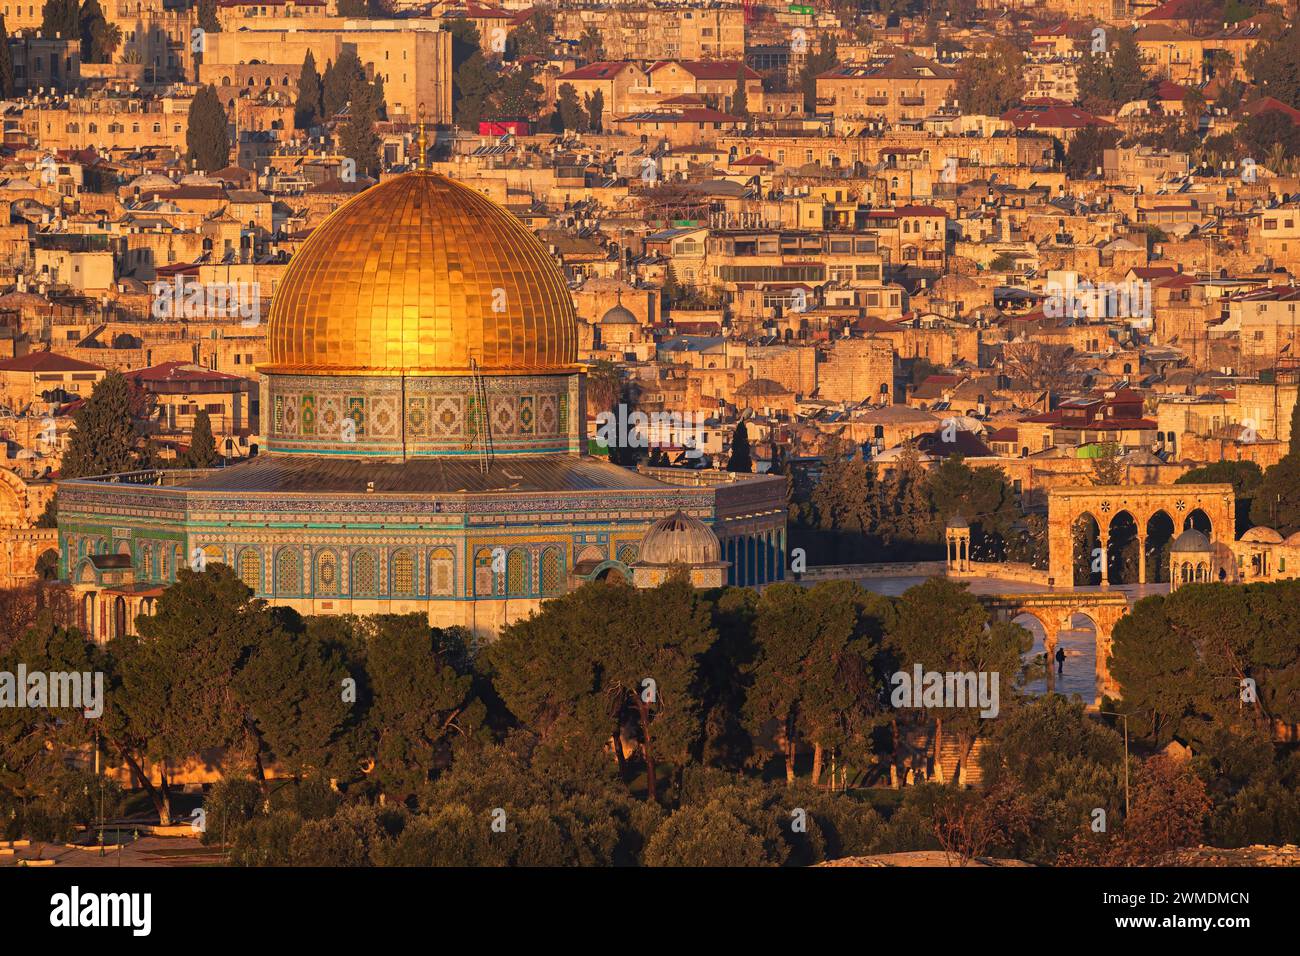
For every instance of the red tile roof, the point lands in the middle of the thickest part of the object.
(1052, 117)
(596, 71)
(710, 69)
(1267, 104)
(47, 362)
(178, 372)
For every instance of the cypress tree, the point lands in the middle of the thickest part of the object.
(60, 19)
(595, 103)
(740, 101)
(202, 452)
(740, 460)
(208, 136)
(379, 98)
(307, 110)
(6, 63)
(92, 21)
(336, 88)
(208, 16)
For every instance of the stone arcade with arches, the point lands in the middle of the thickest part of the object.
(1123, 534)
(1055, 612)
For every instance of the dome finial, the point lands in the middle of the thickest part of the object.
(421, 142)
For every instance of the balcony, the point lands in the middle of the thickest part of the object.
(911, 100)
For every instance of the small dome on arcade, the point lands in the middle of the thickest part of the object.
(1190, 541)
(1262, 535)
(680, 539)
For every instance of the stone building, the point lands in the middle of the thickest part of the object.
(857, 370)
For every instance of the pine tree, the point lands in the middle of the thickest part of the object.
(202, 452)
(208, 135)
(1128, 77)
(6, 63)
(472, 90)
(740, 460)
(307, 110)
(1277, 501)
(517, 94)
(358, 139)
(104, 438)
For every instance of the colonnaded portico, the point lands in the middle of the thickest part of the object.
(1126, 531)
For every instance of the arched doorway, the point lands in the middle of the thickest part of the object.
(1087, 551)
(1160, 534)
(119, 616)
(1122, 550)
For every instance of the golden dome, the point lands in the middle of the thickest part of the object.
(422, 275)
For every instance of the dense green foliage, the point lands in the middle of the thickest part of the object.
(667, 727)
(106, 438)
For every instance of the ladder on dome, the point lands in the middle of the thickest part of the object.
(482, 424)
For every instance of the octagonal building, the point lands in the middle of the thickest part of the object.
(423, 433)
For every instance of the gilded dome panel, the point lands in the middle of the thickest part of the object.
(423, 275)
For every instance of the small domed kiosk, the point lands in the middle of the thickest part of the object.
(1191, 559)
(680, 541)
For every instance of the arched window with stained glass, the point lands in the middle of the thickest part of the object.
(250, 569)
(402, 581)
(146, 562)
(365, 574)
(327, 573)
(518, 572)
(628, 552)
(552, 573)
(442, 572)
(288, 572)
